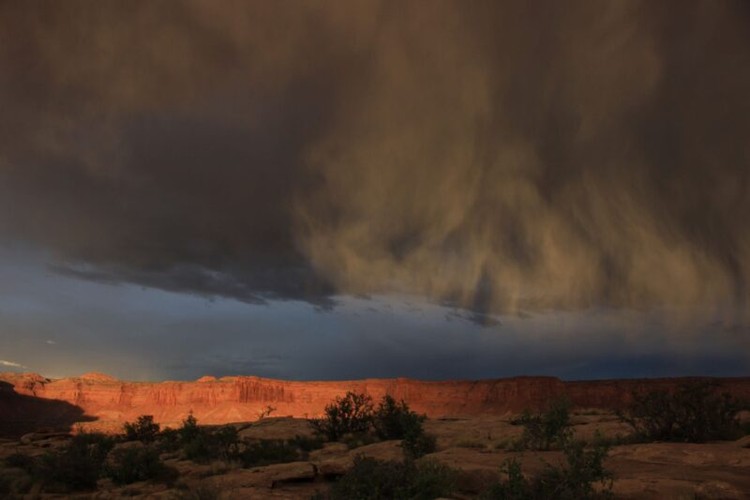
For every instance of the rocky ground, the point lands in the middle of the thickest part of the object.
(475, 447)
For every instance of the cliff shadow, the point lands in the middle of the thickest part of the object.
(21, 414)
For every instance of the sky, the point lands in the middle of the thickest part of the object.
(336, 189)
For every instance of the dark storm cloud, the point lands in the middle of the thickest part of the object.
(497, 155)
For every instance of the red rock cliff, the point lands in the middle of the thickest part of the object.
(234, 399)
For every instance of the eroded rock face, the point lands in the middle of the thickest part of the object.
(236, 399)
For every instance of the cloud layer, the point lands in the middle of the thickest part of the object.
(503, 156)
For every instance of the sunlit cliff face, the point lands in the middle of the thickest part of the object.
(502, 157)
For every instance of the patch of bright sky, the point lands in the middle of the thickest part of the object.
(61, 326)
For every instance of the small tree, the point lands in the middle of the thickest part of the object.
(189, 429)
(350, 414)
(394, 420)
(266, 412)
(546, 430)
(144, 429)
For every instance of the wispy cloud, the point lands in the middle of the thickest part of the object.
(11, 364)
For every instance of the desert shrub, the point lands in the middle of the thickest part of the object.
(394, 420)
(695, 412)
(75, 467)
(204, 445)
(199, 449)
(544, 431)
(102, 442)
(359, 439)
(133, 464)
(189, 429)
(351, 420)
(376, 479)
(143, 429)
(168, 440)
(307, 444)
(226, 442)
(351, 414)
(432, 480)
(514, 487)
(269, 451)
(576, 479)
(418, 444)
(201, 444)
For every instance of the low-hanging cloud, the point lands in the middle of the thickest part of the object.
(502, 156)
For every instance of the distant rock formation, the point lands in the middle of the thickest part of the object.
(234, 399)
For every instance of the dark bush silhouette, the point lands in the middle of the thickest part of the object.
(418, 444)
(351, 419)
(75, 467)
(307, 444)
(138, 463)
(189, 429)
(393, 420)
(144, 429)
(203, 445)
(548, 430)
(269, 451)
(351, 414)
(695, 412)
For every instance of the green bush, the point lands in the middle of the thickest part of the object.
(133, 464)
(351, 414)
(144, 429)
(548, 430)
(695, 412)
(575, 480)
(375, 479)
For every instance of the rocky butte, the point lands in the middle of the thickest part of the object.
(105, 403)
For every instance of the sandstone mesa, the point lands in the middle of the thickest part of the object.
(105, 403)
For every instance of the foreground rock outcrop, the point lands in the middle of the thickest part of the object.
(108, 402)
(475, 448)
